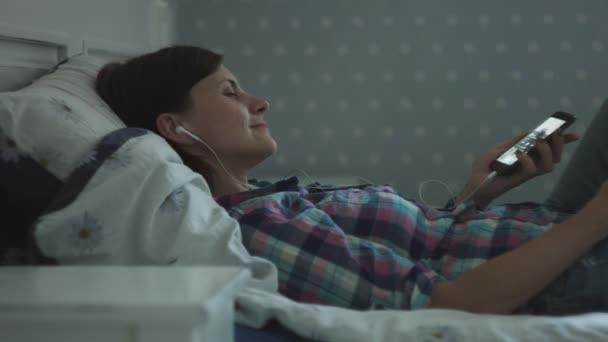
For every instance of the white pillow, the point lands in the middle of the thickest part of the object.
(59, 118)
(16, 77)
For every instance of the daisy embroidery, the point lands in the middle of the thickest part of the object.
(175, 201)
(86, 235)
(63, 110)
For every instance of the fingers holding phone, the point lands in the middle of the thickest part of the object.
(542, 153)
(557, 142)
(545, 157)
(520, 159)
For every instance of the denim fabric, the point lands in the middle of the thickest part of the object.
(586, 170)
(583, 288)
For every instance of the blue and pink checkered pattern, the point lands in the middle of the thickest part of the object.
(369, 247)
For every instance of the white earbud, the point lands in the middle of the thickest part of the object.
(181, 129)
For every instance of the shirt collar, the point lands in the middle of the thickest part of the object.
(288, 184)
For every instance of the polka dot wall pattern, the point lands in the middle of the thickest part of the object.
(402, 91)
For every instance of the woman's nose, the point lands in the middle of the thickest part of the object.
(260, 106)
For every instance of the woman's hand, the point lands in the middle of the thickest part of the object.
(549, 154)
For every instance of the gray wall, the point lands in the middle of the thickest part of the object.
(129, 27)
(401, 91)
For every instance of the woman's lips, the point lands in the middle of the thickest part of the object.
(259, 125)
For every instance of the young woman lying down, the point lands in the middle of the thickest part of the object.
(369, 247)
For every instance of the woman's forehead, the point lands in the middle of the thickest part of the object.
(215, 80)
(220, 75)
(223, 72)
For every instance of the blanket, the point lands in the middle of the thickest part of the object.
(132, 201)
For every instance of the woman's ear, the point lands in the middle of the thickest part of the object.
(166, 124)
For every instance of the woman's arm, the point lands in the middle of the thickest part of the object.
(502, 284)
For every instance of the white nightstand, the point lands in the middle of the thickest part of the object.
(108, 304)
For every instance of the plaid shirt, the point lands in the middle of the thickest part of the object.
(369, 247)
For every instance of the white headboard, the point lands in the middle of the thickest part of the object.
(36, 35)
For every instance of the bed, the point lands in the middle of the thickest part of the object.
(30, 51)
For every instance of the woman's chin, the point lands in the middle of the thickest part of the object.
(270, 143)
(263, 154)
(265, 146)
(272, 148)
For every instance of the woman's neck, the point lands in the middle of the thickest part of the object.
(224, 184)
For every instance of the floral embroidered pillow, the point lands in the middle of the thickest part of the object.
(59, 118)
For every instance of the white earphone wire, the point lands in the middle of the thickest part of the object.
(181, 129)
(423, 183)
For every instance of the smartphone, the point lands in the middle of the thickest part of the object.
(507, 163)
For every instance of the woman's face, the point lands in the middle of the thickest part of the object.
(230, 120)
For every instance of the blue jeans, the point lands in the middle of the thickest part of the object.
(584, 286)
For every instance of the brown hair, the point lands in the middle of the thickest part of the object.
(144, 87)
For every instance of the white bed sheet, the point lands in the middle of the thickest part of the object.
(324, 323)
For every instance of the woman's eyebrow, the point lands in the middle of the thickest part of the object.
(232, 82)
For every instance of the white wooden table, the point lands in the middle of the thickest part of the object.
(111, 303)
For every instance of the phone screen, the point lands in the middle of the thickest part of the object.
(527, 143)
